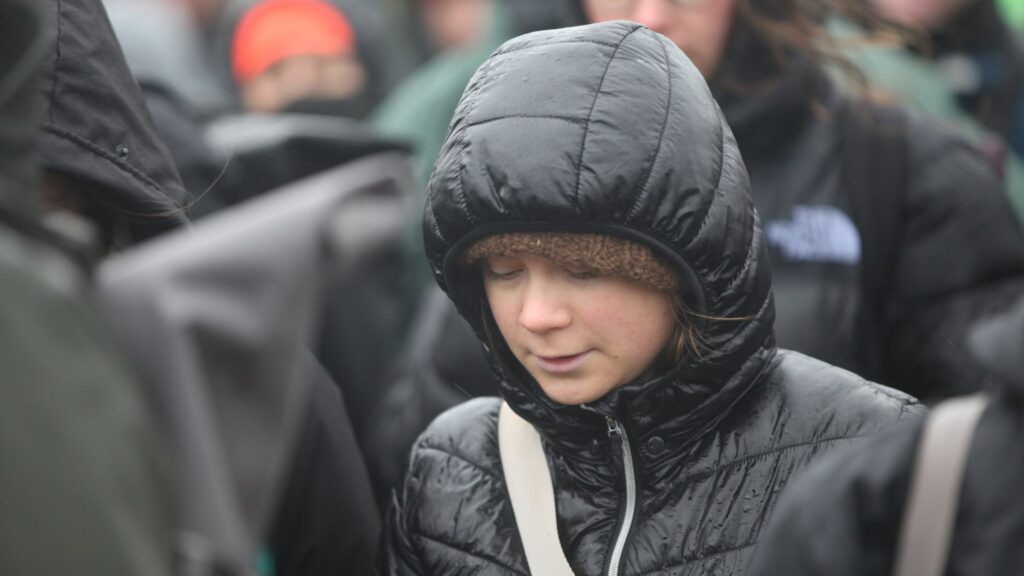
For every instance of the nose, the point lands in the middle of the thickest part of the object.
(655, 14)
(544, 308)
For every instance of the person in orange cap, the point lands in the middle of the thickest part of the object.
(290, 51)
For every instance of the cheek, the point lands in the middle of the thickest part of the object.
(637, 331)
(503, 310)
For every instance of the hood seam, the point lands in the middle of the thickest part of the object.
(645, 188)
(569, 119)
(433, 223)
(97, 150)
(590, 116)
(515, 49)
(467, 106)
(718, 181)
(752, 246)
(742, 333)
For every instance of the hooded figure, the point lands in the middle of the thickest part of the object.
(99, 148)
(588, 157)
(82, 482)
(846, 512)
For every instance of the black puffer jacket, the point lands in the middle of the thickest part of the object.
(958, 251)
(843, 517)
(609, 129)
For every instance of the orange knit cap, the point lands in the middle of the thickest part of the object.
(277, 29)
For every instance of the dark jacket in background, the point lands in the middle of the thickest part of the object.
(326, 522)
(843, 518)
(441, 366)
(959, 248)
(631, 143)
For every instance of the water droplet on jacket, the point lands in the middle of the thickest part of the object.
(122, 151)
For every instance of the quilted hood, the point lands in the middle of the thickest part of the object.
(608, 128)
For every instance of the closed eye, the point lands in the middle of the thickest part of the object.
(492, 274)
(582, 273)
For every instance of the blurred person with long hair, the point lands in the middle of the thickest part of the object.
(887, 233)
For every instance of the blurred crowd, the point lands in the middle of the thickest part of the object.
(220, 337)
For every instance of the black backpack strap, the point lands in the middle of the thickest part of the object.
(875, 178)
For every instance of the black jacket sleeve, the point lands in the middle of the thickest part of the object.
(398, 555)
(961, 256)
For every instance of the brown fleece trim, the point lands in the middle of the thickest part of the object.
(606, 255)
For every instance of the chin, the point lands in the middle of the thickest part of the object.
(572, 394)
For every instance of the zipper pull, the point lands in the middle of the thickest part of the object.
(613, 427)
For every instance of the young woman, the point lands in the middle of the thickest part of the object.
(590, 217)
(887, 234)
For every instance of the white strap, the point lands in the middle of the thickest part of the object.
(533, 498)
(935, 487)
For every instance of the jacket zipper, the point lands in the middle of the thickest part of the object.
(615, 429)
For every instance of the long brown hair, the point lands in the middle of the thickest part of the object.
(769, 37)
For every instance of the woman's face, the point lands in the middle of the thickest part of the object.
(699, 27)
(578, 334)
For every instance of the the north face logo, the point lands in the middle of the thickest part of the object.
(816, 234)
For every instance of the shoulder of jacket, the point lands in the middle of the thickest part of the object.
(959, 146)
(846, 402)
(467, 431)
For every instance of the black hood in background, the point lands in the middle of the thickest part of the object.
(95, 125)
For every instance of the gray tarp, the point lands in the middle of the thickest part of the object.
(218, 320)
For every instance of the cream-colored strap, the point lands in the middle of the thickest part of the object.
(533, 497)
(930, 513)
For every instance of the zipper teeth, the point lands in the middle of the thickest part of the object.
(627, 523)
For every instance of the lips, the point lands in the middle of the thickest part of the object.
(561, 364)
